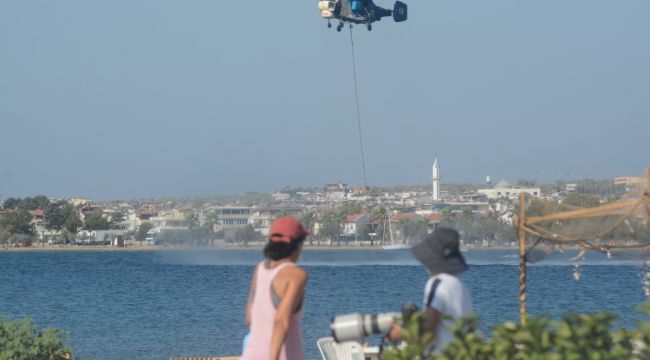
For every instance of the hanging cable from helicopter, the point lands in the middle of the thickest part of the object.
(359, 12)
(356, 102)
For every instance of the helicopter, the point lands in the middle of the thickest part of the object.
(359, 12)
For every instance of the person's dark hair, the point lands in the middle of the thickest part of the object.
(281, 250)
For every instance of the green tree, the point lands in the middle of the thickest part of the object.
(55, 215)
(68, 236)
(22, 340)
(62, 215)
(172, 237)
(378, 219)
(414, 230)
(203, 235)
(141, 234)
(72, 221)
(96, 221)
(11, 203)
(575, 336)
(468, 214)
(349, 208)
(475, 229)
(363, 233)
(308, 219)
(116, 220)
(246, 234)
(18, 222)
(539, 207)
(581, 200)
(330, 226)
(559, 186)
(36, 202)
(211, 218)
(28, 203)
(4, 235)
(191, 221)
(447, 214)
(526, 183)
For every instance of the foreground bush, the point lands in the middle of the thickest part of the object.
(576, 336)
(21, 340)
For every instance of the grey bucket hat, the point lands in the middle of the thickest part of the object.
(440, 252)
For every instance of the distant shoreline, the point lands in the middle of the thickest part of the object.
(256, 247)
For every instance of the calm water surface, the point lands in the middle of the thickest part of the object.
(152, 305)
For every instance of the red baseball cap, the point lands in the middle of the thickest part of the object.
(286, 229)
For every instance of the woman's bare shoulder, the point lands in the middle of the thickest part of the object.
(294, 273)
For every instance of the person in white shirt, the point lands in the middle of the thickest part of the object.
(445, 295)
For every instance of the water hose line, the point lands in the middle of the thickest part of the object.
(356, 100)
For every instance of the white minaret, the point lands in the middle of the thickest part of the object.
(436, 180)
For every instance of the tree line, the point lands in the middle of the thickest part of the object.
(17, 220)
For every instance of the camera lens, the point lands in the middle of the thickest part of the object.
(354, 327)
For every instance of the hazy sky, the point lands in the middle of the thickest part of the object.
(135, 98)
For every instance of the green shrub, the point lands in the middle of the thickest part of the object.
(21, 340)
(574, 337)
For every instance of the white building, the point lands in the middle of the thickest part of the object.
(504, 190)
(436, 180)
(336, 191)
(169, 220)
(281, 196)
(233, 216)
(354, 223)
(262, 217)
(104, 236)
(131, 222)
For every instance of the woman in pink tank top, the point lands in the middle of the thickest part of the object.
(274, 308)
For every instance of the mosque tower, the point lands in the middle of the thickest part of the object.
(436, 180)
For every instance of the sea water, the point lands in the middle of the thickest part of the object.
(153, 305)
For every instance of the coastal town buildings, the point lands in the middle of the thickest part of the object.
(503, 189)
(335, 212)
(631, 183)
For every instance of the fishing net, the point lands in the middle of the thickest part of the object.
(620, 228)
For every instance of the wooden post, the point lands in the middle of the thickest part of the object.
(647, 182)
(522, 257)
